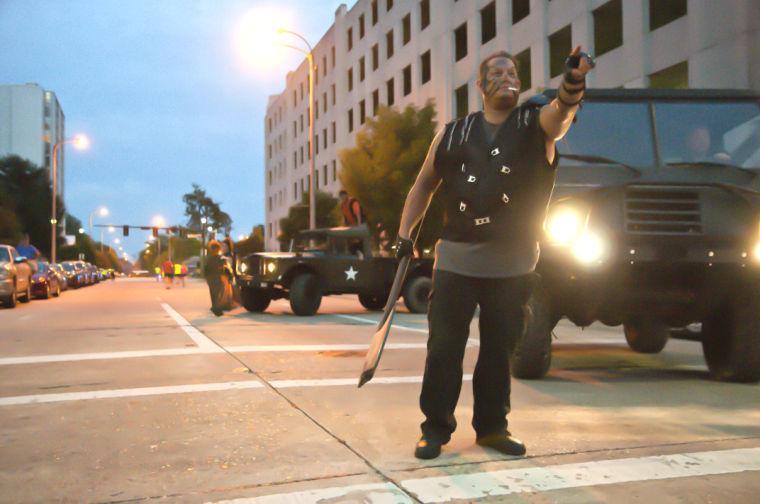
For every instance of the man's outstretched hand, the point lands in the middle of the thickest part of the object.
(578, 64)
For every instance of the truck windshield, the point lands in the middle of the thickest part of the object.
(709, 133)
(4, 255)
(616, 131)
(310, 244)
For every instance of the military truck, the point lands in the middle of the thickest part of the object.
(328, 261)
(654, 224)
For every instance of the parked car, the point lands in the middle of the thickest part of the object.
(62, 276)
(15, 277)
(654, 224)
(329, 261)
(45, 281)
(75, 275)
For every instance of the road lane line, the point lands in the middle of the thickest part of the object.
(370, 493)
(135, 392)
(470, 342)
(530, 479)
(583, 474)
(198, 337)
(203, 387)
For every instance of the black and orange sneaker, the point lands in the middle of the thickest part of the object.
(503, 443)
(427, 448)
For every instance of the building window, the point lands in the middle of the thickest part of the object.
(676, 76)
(350, 120)
(333, 131)
(269, 119)
(350, 38)
(460, 98)
(406, 29)
(324, 101)
(269, 151)
(361, 69)
(324, 138)
(425, 67)
(335, 171)
(460, 42)
(608, 27)
(488, 22)
(295, 191)
(523, 69)
(374, 12)
(316, 143)
(375, 101)
(295, 129)
(375, 57)
(663, 12)
(350, 79)
(362, 112)
(324, 66)
(324, 175)
(269, 229)
(520, 10)
(332, 90)
(424, 14)
(407, 72)
(559, 47)
(389, 45)
(300, 155)
(390, 88)
(301, 118)
(388, 5)
(295, 102)
(361, 27)
(332, 56)
(295, 159)
(301, 91)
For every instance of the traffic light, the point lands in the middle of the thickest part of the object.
(155, 232)
(125, 231)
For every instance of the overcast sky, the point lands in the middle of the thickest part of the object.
(161, 90)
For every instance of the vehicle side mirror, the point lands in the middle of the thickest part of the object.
(20, 259)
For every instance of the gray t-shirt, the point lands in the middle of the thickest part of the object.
(493, 259)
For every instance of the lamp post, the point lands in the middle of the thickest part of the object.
(80, 142)
(102, 211)
(312, 180)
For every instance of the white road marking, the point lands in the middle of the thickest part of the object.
(374, 322)
(371, 493)
(583, 474)
(530, 479)
(198, 337)
(202, 387)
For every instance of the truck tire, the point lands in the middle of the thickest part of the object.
(255, 300)
(416, 294)
(373, 303)
(731, 337)
(532, 356)
(305, 295)
(645, 335)
(28, 295)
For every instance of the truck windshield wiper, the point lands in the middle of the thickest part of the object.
(713, 163)
(599, 159)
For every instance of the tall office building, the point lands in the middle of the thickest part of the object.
(382, 52)
(31, 122)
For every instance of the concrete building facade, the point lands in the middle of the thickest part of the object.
(31, 122)
(382, 52)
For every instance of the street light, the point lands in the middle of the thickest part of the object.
(312, 180)
(80, 142)
(102, 211)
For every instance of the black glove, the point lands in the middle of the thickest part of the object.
(573, 62)
(404, 248)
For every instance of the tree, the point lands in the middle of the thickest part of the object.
(254, 242)
(380, 170)
(328, 215)
(198, 204)
(26, 193)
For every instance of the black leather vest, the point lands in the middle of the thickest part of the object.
(500, 190)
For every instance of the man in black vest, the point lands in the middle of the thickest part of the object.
(496, 169)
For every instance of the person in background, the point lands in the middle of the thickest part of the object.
(353, 215)
(157, 270)
(178, 274)
(168, 268)
(26, 249)
(218, 275)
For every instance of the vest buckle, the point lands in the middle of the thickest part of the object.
(505, 198)
(471, 178)
(462, 167)
(462, 206)
(505, 169)
(482, 220)
(495, 151)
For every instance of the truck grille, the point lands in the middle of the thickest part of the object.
(662, 211)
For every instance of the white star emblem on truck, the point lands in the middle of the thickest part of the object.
(351, 273)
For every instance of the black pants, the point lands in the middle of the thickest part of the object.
(452, 305)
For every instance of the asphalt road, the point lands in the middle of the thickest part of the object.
(126, 391)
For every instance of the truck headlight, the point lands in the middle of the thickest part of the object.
(4, 272)
(243, 267)
(564, 225)
(756, 252)
(589, 248)
(271, 267)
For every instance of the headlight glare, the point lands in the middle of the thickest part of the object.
(243, 267)
(563, 226)
(271, 267)
(756, 252)
(589, 248)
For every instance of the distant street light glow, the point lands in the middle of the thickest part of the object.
(81, 230)
(103, 211)
(111, 229)
(159, 221)
(257, 39)
(81, 142)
